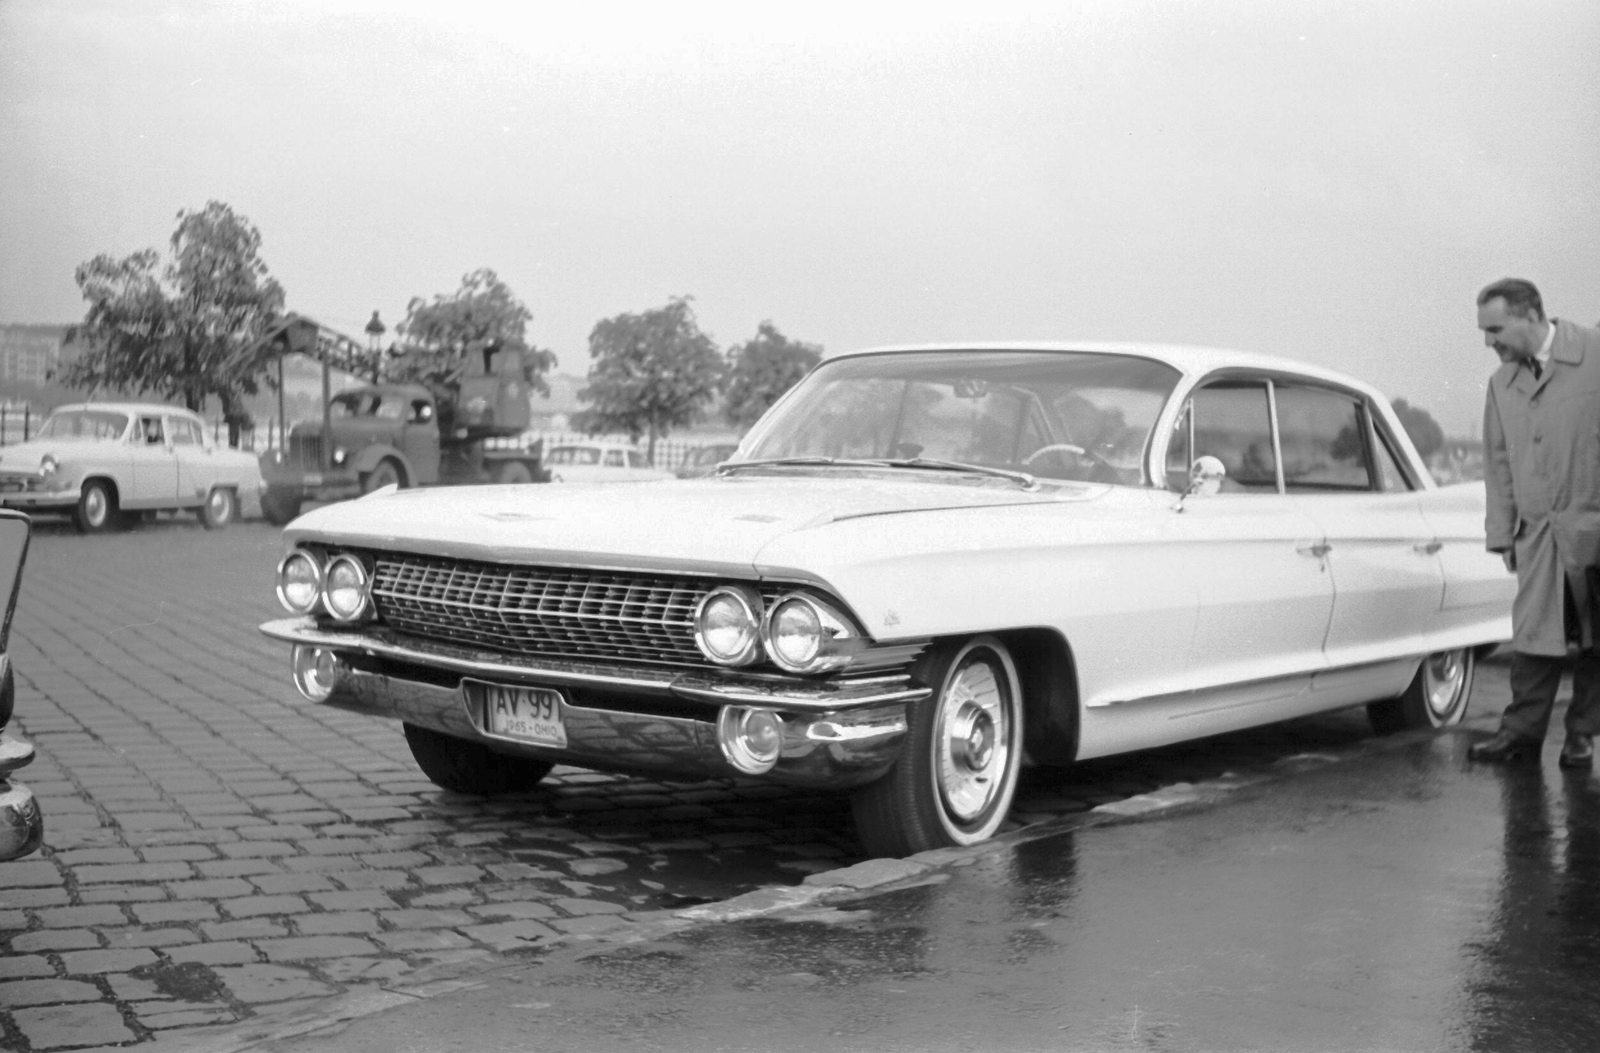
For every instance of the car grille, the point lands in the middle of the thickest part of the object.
(305, 451)
(541, 610)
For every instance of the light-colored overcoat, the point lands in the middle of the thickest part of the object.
(1541, 442)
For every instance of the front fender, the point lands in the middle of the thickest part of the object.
(367, 458)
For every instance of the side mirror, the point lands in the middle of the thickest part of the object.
(1205, 476)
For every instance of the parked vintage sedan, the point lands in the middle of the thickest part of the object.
(21, 822)
(599, 462)
(98, 460)
(925, 568)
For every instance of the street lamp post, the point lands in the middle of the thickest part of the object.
(375, 331)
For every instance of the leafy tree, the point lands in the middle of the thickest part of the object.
(652, 372)
(176, 331)
(440, 336)
(762, 369)
(1426, 435)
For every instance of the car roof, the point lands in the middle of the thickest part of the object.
(1190, 359)
(130, 408)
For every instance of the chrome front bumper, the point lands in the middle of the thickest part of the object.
(21, 822)
(837, 734)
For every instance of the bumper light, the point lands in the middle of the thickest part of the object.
(299, 582)
(751, 739)
(345, 588)
(727, 625)
(804, 635)
(316, 671)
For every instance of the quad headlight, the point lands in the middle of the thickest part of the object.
(727, 625)
(345, 588)
(804, 635)
(299, 582)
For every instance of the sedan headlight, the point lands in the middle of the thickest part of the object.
(299, 582)
(345, 588)
(804, 635)
(727, 625)
(48, 465)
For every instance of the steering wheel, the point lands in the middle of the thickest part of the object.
(1056, 447)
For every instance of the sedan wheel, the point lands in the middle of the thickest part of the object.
(219, 509)
(957, 773)
(1436, 698)
(466, 766)
(97, 507)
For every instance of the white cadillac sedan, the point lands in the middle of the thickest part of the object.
(925, 568)
(98, 460)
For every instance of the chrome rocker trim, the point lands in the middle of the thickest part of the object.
(838, 739)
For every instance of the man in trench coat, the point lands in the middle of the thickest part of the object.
(1541, 445)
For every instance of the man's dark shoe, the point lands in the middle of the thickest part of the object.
(1504, 746)
(1578, 752)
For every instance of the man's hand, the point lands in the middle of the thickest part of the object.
(1509, 556)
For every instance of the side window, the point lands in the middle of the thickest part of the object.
(150, 428)
(1323, 436)
(1233, 424)
(635, 459)
(613, 459)
(1178, 459)
(1391, 477)
(182, 431)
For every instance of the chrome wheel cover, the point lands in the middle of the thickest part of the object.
(973, 740)
(1443, 676)
(95, 506)
(217, 505)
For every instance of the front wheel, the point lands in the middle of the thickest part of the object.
(279, 508)
(957, 773)
(220, 508)
(513, 472)
(386, 473)
(97, 507)
(1436, 698)
(471, 767)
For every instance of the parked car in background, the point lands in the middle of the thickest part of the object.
(925, 567)
(702, 459)
(599, 462)
(99, 460)
(21, 823)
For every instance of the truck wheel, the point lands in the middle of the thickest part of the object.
(386, 473)
(220, 508)
(513, 472)
(958, 768)
(97, 507)
(471, 767)
(279, 508)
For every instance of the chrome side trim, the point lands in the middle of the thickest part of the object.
(782, 692)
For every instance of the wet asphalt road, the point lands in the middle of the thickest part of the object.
(1402, 900)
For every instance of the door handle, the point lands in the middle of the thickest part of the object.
(1320, 549)
(1428, 548)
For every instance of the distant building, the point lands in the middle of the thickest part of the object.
(30, 356)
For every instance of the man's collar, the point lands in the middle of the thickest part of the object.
(1543, 354)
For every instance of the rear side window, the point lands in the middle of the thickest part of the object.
(1323, 436)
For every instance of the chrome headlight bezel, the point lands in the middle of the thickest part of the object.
(340, 455)
(48, 465)
(747, 603)
(315, 600)
(834, 638)
(337, 567)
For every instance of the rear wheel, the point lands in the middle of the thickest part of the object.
(220, 508)
(386, 473)
(1436, 698)
(97, 507)
(957, 773)
(471, 767)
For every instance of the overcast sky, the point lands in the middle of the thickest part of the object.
(1331, 181)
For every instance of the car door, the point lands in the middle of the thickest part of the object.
(1254, 556)
(155, 466)
(1381, 552)
(196, 470)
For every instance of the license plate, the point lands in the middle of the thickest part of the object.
(313, 479)
(528, 714)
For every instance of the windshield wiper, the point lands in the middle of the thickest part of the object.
(1026, 481)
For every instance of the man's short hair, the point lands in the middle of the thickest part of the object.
(1520, 296)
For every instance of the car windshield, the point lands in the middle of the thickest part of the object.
(368, 404)
(1054, 415)
(84, 424)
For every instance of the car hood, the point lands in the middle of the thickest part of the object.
(25, 456)
(712, 524)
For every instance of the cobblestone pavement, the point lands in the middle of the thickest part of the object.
(215, 849)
